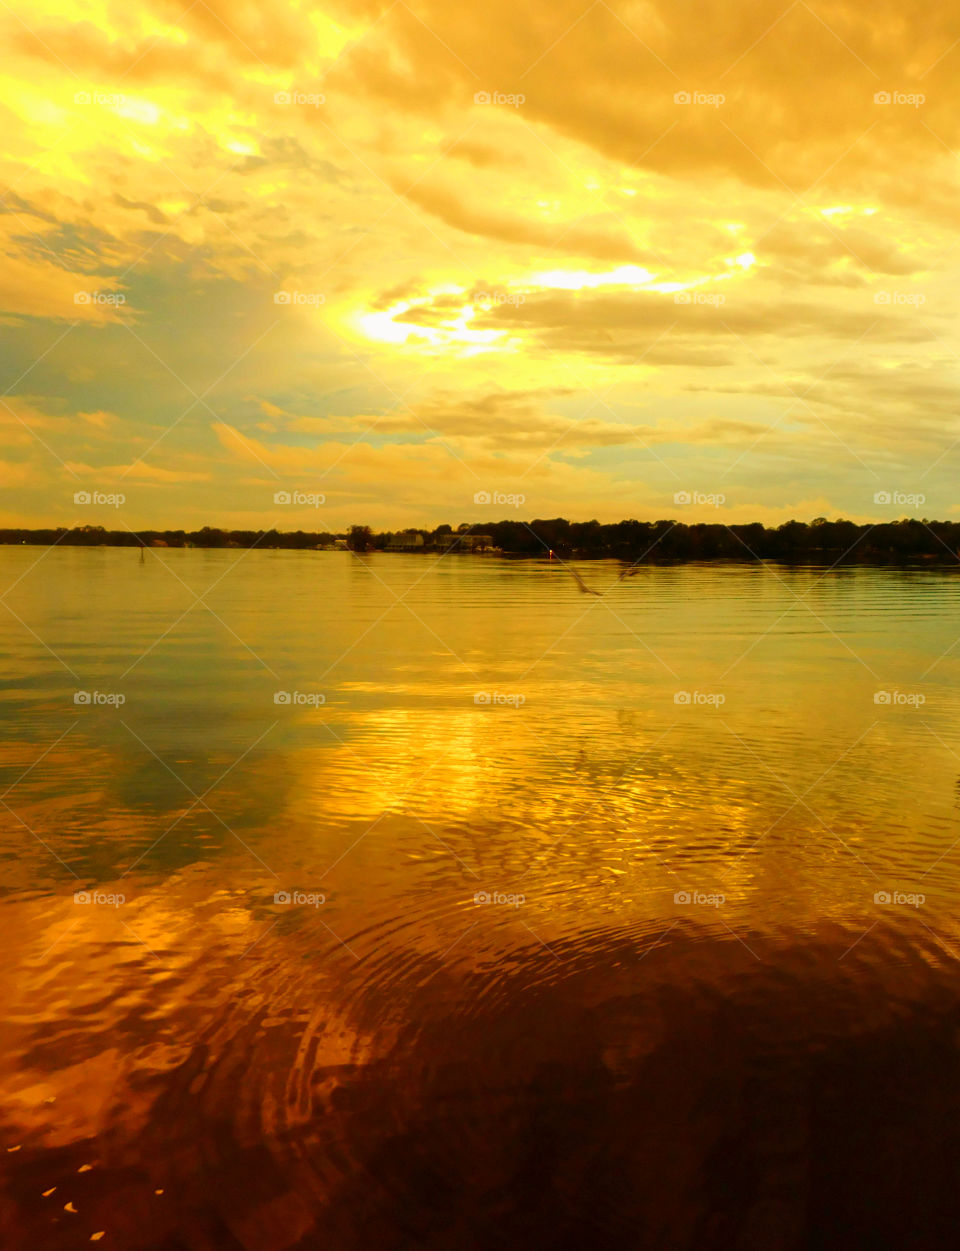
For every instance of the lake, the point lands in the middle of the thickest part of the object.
(398, 900)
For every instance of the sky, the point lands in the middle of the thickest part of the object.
(390, 263)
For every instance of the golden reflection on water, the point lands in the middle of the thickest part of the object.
(621, 857)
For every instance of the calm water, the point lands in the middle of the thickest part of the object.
(627, 921)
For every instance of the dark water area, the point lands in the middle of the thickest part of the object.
(662, 1092)
(402, 967)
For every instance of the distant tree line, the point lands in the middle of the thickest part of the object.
(98, 536)
(819, 541)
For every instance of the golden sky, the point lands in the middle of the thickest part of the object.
(602, 256)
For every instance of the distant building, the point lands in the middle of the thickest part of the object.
(459, 541)
(405, 541)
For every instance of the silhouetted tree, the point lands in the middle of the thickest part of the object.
(360, 538)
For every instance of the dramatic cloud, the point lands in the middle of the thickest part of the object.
(595, 253)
